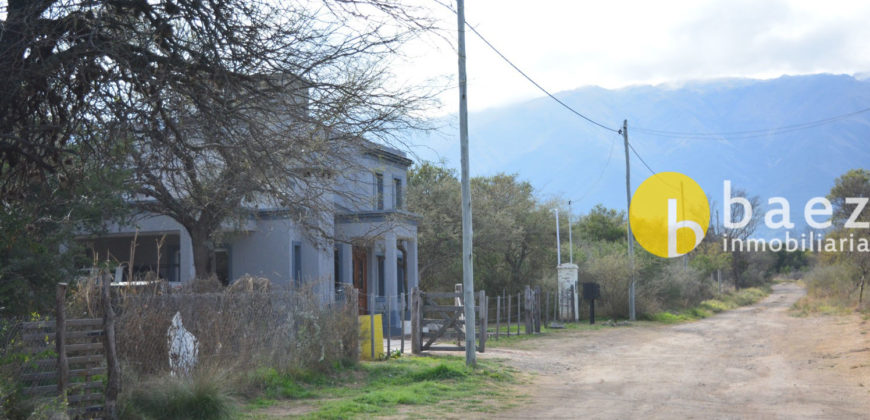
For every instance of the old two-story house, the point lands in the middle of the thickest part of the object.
(370, 242)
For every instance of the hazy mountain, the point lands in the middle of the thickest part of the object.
(562, 155)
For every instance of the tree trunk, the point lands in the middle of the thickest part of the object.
(201, 252)
(861, 293)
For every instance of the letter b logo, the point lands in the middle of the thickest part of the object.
(669, 214)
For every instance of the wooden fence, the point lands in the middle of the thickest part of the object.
(521, 313)
(432, 320)
(75, 358)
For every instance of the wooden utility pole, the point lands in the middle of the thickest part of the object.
(631, 313)
(467, 263)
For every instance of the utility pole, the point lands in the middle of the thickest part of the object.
(570, 240)
(467, 262)
(558, 242)
(631, 314)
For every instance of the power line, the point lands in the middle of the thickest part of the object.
(630, 146)
(746, 134)
(532, 81)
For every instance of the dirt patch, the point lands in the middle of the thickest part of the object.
(752, 362)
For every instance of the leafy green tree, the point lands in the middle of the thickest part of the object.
(513, 237)
(434, 193)
(513, 233)
(602, 224)
(853, 184)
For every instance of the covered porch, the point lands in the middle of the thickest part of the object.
(377, 255)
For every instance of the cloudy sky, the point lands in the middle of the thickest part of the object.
(568, 44)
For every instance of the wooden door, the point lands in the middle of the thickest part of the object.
(360, 277)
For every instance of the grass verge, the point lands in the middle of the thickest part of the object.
(709, 307)
(400, 386)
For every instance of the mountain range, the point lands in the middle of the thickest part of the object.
(564, 156)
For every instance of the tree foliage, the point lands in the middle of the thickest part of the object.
(853, 184)
(512, 230)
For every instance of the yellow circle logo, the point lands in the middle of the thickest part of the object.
(669, 214)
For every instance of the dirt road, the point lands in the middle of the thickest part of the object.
(753, 362)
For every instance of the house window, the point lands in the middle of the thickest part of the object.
(379, 190)
(297, 263)
(397, 193)
(381, 286)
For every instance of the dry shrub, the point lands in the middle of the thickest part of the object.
(677, 287)
(612, 272)
(240, 330)
(209, 284)
(249, 283)
(832, 289)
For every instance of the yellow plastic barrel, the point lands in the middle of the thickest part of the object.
(365, 339)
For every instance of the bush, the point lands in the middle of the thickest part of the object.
(831, 289)
(677, 287)
(173, 397)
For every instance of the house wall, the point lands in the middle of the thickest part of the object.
(267, 252)
(360, 188)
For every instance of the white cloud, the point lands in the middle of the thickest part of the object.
(567, 44)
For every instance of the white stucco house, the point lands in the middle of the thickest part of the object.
(372, 246)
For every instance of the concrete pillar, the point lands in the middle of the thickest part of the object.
(187, 269)
(345, 252)
(391, 276)
(567, 277)
(411, 264)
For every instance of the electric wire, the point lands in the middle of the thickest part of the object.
(527, 77)
(746, 134)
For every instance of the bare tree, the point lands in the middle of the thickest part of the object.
(740, 258)
(224, 106)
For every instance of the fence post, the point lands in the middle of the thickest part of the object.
(481, 313)
(527, 311)
(416, 314)
(113, 387)
(538, 309)
(372, 324)
(60, 338)
(353, 303)
(402, 345)
(547, 309)
(497, 316)
(389, 316)
(509, 315)
(519, 312)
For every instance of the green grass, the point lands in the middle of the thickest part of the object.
(389, 387)
(707, 308)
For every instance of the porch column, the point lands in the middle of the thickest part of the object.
(345, 252)
(391, 277)
(411, 261)
(187, 269)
